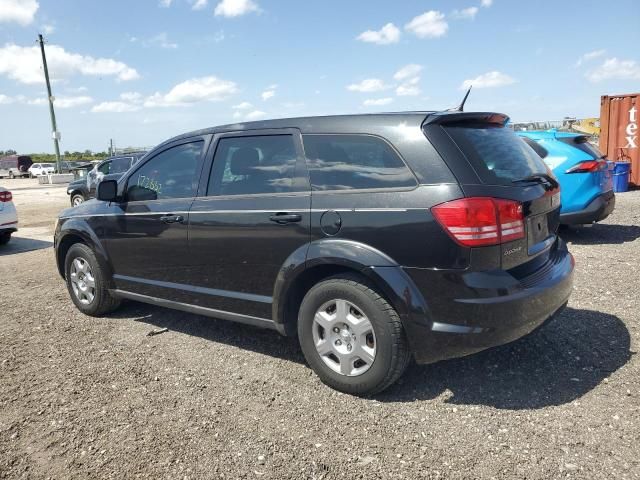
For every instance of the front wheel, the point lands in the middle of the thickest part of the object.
(351, 337)
(76, 199)
(87, 283)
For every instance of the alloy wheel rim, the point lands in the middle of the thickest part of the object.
(82, 280)
(344, 338)
(77, 201)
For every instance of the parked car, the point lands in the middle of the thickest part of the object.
(15, 166)
(39, 169)
(8, 216)
(582, 170)
(373, 238)
(84, 188)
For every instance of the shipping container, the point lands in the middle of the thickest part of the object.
(619, 132)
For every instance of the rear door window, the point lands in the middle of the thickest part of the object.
(496, 153)
(346, 162)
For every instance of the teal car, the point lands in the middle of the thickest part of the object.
(583, 172)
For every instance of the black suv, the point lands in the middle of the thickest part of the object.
(374, 238)
(84, 188)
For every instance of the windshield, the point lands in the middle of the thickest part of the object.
(496, 153)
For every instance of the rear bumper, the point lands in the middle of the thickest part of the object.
(474, 311)
(599, 209)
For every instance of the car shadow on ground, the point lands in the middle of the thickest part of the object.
(246, 337)
(600, 233)
(557, 364)
(21, 245)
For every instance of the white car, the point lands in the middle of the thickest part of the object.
(8, 216)
(38, 169)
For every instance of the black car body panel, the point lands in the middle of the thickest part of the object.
(250, 257)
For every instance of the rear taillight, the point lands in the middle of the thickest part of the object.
(6, 197)
(481, 221)
(587, 166)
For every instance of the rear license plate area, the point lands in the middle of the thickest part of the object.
(537, 229)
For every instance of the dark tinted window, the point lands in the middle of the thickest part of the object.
(250, 165)
(170, 174)
(497, 154)
(341, 162)
(539, 149)
(582, 143)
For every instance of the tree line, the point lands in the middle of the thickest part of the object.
(87, 156)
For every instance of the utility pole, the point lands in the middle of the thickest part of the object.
(111, 147)
(55, 134)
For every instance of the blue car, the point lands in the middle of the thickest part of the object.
(583, 172)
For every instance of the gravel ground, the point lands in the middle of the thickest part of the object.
(98, 398)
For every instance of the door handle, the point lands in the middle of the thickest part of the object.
(172, 219)
(284, 218)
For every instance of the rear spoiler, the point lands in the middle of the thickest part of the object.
(440, 118)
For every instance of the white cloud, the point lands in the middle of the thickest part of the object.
(386, 35)
(488, 80)
(466, 13)
(131, 97)
(590, 56)
(242, 106)
(430, 24)
(19, 11)
(114, 107)
(409, 75)
(161, 40)
(165, 3)
(200, 4)
(62, 102)
(255, 115)
(375, 102)
(267, 94)
(409, 89)
(5, 100)
(486, 3)
(194, 90)
(48, 29)
(368, 85)
(615, 69)
(408, 71)
(23, 64)
(235, 8)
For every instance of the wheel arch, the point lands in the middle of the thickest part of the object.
(329, 257)
(76, 231)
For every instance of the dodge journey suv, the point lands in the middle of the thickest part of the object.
(373, 238)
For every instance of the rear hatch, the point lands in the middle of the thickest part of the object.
(492, 162)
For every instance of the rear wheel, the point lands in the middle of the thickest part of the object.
(86, 282)
(351, 337)
(4, 238)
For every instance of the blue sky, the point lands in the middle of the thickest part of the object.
(142, 71)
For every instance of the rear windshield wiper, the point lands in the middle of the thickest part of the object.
(541, 178)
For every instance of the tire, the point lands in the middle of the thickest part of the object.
(76, 199)
(386, 344)
(11, 176)
(94, 301)
(4, 238)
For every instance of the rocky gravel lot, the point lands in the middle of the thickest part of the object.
(98, 398)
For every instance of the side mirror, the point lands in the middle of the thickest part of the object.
(107, 191)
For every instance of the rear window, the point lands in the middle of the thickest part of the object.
(496, 153)
(346, 162)
(582, 143)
